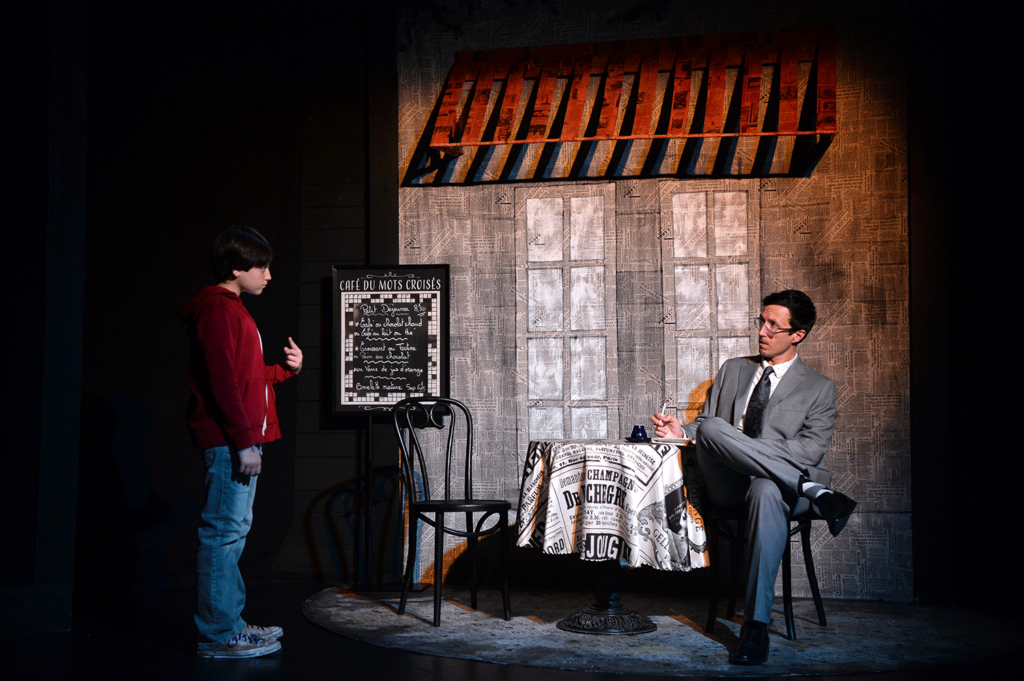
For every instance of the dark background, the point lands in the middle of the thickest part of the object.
(195, 121)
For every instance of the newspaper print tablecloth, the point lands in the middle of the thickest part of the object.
(610, 499)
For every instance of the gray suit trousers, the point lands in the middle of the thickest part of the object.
(739, 470)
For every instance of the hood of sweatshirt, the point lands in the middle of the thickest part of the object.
(190, 310)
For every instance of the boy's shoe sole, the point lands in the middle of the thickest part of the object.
(241, 650)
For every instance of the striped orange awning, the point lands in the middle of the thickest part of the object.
(483, 102)
(755, 104)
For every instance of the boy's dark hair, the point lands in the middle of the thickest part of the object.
(239, 248)
(802, 314)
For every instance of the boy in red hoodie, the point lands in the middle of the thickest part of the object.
(230, 415)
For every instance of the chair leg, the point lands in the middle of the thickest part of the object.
(438, 564)
(787, 589)
(712, 536)
(472, 560)
(409, 562)
(506, 597)
(736, 569)
(812, 577)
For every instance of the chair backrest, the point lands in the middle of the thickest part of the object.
(412, 417)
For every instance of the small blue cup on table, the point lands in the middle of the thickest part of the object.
(639, 435)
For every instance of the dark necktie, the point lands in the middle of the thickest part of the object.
(754, 419)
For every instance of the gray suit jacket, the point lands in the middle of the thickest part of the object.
(799, 419)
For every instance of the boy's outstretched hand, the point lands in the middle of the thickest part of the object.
(293, 356)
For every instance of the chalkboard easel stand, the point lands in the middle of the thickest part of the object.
(363, 572)
(390, 327)
(365, 524)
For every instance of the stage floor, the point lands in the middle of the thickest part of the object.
(861, 637)
(149, 635)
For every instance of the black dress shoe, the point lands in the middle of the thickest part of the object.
(835, 508)
(753, 645)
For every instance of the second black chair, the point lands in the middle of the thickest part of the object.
(411, 417)
(715, 520)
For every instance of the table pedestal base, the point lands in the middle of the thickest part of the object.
(591, 620)
(606, 615)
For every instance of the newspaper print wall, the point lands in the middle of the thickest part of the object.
(684, 266)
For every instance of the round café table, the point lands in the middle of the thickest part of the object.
(616, 502)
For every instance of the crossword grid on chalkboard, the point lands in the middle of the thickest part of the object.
(353, 305)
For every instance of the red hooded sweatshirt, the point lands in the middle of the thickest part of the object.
(232, 399)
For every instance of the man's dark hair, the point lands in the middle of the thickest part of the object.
(239, 248)
(802, 314)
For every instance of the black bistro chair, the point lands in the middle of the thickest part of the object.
(717, 522)
(411, 417)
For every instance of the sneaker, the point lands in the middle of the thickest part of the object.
(268, 634)
(243, 645)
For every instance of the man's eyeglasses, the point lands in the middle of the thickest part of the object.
(770, 328)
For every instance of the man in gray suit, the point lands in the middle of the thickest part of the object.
(761, 440)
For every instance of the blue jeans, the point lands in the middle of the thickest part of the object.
(223, 526)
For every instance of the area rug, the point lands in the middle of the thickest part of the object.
(861, 637)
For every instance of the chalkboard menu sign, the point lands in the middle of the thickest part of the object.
(391, 333)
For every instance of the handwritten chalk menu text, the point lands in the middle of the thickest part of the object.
(391, 327)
